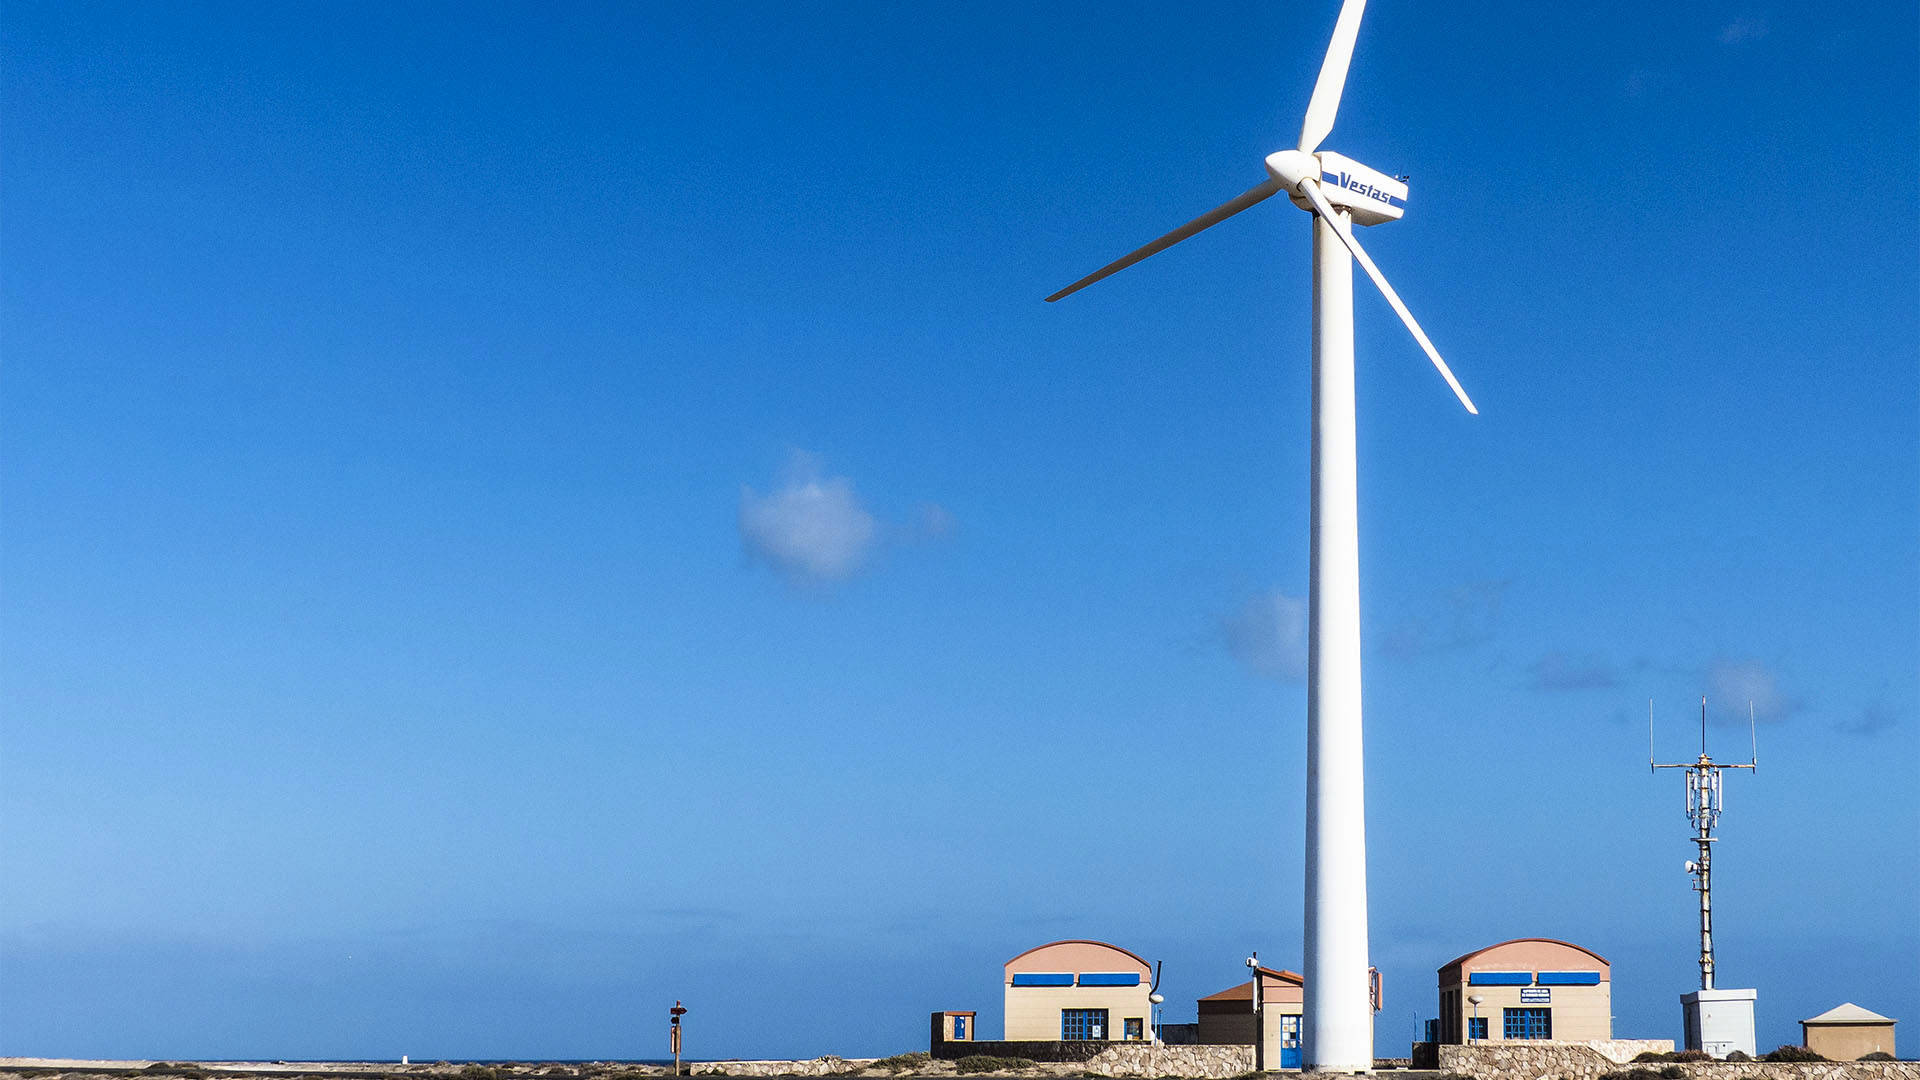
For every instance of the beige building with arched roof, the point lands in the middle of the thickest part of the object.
(1078, 990)
(1529, 989)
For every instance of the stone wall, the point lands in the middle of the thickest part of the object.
(820, 1066)
(1576, 1061)
(1426, 1055)
(1625, 1050)
(1197, 1060)
(1074, 1059)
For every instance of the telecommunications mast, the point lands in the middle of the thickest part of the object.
(1716, 1021)
(1704, 803)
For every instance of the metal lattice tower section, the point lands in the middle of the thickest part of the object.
(1704, 804)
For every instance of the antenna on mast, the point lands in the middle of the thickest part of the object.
(1650, 765)
(1705, 801)
(1704, 804)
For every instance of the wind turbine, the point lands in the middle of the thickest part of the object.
(1340, 193)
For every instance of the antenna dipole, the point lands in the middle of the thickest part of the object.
(1704, 804)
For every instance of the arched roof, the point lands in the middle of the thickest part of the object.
(1520, 941)
(1084, 941)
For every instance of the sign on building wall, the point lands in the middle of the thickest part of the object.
(1536, 995)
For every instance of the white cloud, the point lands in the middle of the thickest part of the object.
(1269, 635)
(813, 529)
(1744, 29)
(1731, 684)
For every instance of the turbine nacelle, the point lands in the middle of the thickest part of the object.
(1368, 195)
(1337, 189)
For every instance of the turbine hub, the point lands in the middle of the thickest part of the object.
(1290, 167)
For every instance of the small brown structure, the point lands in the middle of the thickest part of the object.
(1847, 1033)
(953, 1027)
(1227, 1017)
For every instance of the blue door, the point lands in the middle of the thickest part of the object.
(1289, 1042)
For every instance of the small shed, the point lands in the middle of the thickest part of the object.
(953, 1027)
(1847, 1033)
(1228, 1018)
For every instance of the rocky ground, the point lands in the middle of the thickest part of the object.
(904, 1067)
(67, 1069)
(900, 1067)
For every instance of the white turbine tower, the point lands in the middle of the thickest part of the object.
(1340, 192)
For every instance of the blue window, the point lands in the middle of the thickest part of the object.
(1569, 978)
(1043, 978)
(1500, 978)
(1526, 1023)
(1476, 1029)
(959, 1027)
(1083, 1025)
(1109, 978)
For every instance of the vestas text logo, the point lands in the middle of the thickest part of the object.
(1361, 187)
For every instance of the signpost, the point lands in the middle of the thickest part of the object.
(673, 1033)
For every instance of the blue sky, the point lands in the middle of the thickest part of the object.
(512, 515)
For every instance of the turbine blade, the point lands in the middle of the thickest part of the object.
(1311, 188)
(1207, 220)
(1333, 77)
